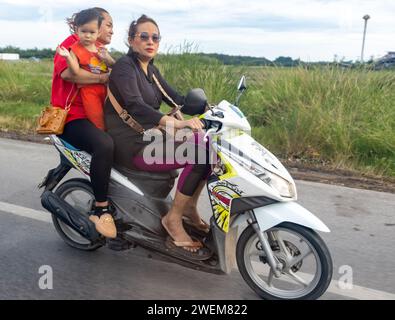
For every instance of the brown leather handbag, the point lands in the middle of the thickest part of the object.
(53, 119)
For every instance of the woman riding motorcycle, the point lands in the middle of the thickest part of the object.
(137, 85)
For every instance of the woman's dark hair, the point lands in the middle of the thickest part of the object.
(101, 11)
(143, 19)
(80, 18)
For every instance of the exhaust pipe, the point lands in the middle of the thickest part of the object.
(70, 216)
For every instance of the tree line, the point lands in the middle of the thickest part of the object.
(281, 61)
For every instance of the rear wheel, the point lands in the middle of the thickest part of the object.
(304, 257)
(79, 194)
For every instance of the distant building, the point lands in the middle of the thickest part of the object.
(386, 62)
(9, 56)
(35, 59)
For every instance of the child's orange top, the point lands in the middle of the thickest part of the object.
(89, 61)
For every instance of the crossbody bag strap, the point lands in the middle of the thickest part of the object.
(68, 106)
(123, 114)
(176, 107)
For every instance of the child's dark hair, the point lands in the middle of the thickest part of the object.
(86, 16)
(133, 26)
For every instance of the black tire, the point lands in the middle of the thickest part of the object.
(314, 239)
(62, 191)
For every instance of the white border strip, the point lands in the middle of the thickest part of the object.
(43, 216)
(360, 293)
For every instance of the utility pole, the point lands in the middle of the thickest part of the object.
(366, 18)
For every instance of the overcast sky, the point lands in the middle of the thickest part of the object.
(308, 29)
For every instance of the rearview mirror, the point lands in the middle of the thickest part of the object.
(195, 102)
(242, 84)
(241, 88)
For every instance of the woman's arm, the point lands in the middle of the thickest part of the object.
(84, 77)
(81, 77)
(123, 84)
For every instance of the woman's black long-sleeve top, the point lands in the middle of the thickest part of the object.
(140, 96)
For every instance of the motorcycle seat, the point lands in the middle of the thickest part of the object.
(135, 174)
(147, 175)
(68, 145)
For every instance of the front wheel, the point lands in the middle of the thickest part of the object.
(304, 257)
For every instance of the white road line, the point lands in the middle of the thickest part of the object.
(360, 293)
(39, 215)
(357, 292)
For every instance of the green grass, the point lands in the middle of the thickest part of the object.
(25, 88)
(346, 117)
(338, 116)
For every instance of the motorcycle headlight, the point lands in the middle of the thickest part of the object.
(284, 188)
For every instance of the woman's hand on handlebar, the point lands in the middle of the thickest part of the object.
(195, 124)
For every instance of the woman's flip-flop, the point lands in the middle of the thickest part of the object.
(178, 247)
(202, 226)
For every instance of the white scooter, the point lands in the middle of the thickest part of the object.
(256, 224)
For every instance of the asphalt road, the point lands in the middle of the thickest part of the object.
(362, 240)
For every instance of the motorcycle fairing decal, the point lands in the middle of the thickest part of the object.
(80, 160)
(221, 195)
(230, 171)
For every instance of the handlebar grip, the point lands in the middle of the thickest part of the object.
(206, 123)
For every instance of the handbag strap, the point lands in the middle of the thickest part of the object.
(72, 100)
(123, 114)
(176, 107)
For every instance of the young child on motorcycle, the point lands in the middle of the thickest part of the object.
(88, 54)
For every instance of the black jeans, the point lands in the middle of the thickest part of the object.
(83, 135)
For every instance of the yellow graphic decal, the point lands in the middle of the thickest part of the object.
(70, 157)
(221, 195)
(222, 217)
(230, 171)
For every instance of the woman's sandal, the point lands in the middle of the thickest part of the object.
(104, 225)
(104, 222)
(178, 247)
(202, 226)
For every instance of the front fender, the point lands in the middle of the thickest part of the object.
(274, 214)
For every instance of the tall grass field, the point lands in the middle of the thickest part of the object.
(342, 117)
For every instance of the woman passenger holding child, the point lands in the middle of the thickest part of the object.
(82, 129)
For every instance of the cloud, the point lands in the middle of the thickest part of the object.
(310, 29)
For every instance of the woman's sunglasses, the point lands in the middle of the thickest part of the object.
(144, 36)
